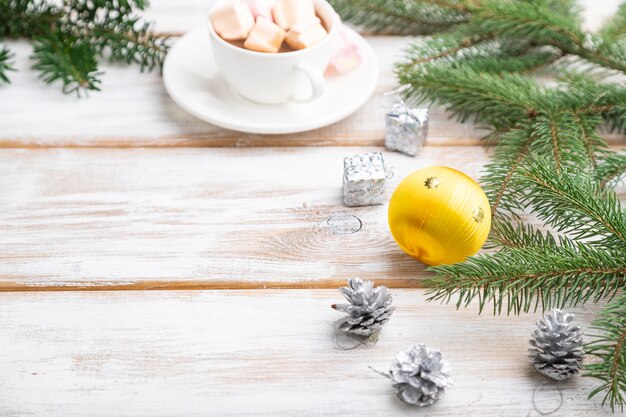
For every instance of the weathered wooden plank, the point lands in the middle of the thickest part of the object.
(192, 218)
(266, 353)
(133, 109)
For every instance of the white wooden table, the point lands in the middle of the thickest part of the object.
(154, 265)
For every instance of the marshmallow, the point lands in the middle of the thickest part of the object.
(265, 36)
(305, 33)
(343, 62)
(233, 21)
(289, 12)
(346, 56)
(261, 8)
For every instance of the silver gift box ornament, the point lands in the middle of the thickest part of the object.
(406, 129)
(364, 179)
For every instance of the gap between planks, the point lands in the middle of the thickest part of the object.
(204, 285)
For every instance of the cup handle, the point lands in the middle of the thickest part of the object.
(315, 78)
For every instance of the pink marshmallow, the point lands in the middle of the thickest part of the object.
(305, 33)
(288, 12)
(345, 58)
(261, 8)
(265, 36)
(233, 21)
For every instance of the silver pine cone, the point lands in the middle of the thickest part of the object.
(557, 350)
(368, 309)
(419, 375)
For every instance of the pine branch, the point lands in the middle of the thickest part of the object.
(499, 100)
(610, 347)
(569, 140)
(401, 17)
(531, 277)
(592, 142)
(566, 138)
(444, 46)
(27, 18)
(615, 28)
(68, 59)
(6, 64)
(68, 32)
(518, 235)
(116, 34)
(572, 202)
(535, 20)
(611, 169)
(499, 181)
(586, 96)
(539, 22)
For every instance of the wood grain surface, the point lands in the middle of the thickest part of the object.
(262, 353)
(198, 218)
(133, 109)
(211, 218)
(125, 191)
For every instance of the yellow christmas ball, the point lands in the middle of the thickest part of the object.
(439, 215)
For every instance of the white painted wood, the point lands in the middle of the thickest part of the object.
(133, 109)
(194, 217)
(115, 216)
(265, 353)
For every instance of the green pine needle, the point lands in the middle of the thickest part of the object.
(615, 28)
(69, 37)
(532, 277)
(6, 64)
(68, 59)
(572, 202)
(401, 17)
(611, 169)
(609, 346)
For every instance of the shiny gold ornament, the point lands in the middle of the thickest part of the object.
(439, 215)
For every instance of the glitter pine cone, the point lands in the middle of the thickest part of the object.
(419, 375)
(368, 309)
(557, 350)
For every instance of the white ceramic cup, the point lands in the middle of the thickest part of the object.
(274, 78)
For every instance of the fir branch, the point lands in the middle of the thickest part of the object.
(592, 142)
(68, 59)
(6, 64)
(611, 169)
(535, 20)
(27, 18)
(615, 28)
(444, 46)
(401, 17)
(499, 100)
(512, 149)
(527, 278)
(539, 22)
(610, 347)
(559, 135)
(67, 32)
(117, 34)
(134, 45)
(518, 235)
(572, 202)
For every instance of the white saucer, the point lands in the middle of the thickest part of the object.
(193, 82)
